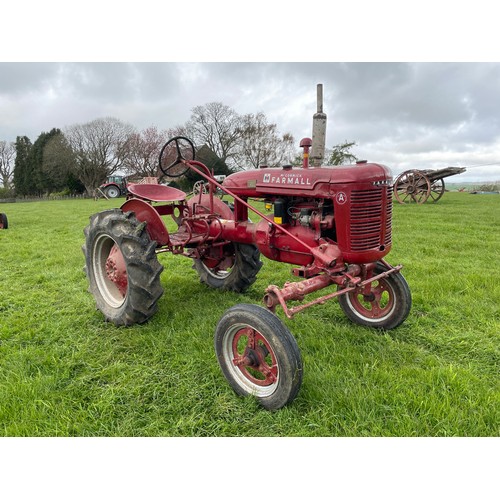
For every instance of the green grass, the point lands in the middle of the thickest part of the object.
(66, 372)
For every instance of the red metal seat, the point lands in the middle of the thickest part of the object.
(156, 192)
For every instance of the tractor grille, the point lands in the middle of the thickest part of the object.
(371, 213)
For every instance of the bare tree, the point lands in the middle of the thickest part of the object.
(7, 156)
(100, 149)
(143, 151)
(217, 126)
(261, 144)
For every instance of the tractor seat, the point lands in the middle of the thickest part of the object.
(156, 192)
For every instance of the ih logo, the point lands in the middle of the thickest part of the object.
(341, 198)
(267, 178)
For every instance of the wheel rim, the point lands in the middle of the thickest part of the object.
(412, 186)
(376, 305)
(113, 192)
(218, 273)
(110, 271)
(251, 360)
(219, 266)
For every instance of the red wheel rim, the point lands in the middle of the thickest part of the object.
(254, 357)
(116, 270)
(377, 304)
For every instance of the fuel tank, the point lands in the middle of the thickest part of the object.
(317, 182)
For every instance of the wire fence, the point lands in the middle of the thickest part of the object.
(52, 197)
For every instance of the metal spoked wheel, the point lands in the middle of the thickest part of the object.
(437, 189)
(199, 187)
(412, 186)
(258, 355)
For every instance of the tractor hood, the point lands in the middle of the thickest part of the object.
(313, 181)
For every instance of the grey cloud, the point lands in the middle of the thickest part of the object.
(399, 111)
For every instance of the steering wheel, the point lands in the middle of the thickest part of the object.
(174, 154)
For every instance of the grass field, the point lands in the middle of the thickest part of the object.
(66, 372)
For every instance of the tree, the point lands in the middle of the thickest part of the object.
(341, 154)
(143, 152)
(41, 182)
(100, 149)
(261, 144)
(7, 156)
(217, 126)
(23, 180)
(58, 165)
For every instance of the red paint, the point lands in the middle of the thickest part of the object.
(332, 222)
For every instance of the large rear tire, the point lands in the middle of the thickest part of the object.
(236, 272)
(386, 306)
(113, 192)
(122, 267)
(258, 355)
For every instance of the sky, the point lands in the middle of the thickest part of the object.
(396, 75)
(403, 115)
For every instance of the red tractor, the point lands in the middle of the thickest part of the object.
(114, 186)
(333, 224)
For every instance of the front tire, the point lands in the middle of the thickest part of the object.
(258, 355)
(386, 306)
(236, 273)
(122, 267)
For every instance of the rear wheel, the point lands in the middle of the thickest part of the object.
(112, 192)
(258, 355)
(4, 223)
(235, 269)
(385, 305)
(122, 267)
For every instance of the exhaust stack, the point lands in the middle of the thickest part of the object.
(319, 130)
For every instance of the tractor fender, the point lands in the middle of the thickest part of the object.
(146, 213)
(201, 205)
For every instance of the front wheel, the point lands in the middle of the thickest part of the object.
(385, 305)
(258, 355)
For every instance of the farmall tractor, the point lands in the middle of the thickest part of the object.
(332, 224)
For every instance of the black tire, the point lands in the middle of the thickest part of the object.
(239, 277)
(386, 307)
(4, 223)
(258, 355)
(130, 297)
(113, 192)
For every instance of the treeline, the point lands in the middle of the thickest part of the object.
(79, 158)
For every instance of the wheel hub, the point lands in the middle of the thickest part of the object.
(116, 270)
(254, 358)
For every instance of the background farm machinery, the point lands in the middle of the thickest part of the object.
(418, 186)
(332, 224)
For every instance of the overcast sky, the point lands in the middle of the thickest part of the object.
(404, 115)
